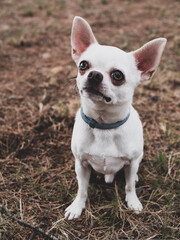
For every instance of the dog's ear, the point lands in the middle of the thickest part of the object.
(148, 57)
(81, 37)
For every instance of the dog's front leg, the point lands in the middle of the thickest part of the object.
(131, 178)
(83, 175)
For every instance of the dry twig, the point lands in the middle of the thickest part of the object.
(36, 230)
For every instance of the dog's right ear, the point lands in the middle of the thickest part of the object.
(148, 57)
(81, 37)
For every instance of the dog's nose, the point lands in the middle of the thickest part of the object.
(95, 77)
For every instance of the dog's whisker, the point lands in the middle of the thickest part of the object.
(75, 88)
(72, 79)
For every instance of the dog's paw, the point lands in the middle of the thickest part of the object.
(134, 203)
(74, 210)
(109, 178)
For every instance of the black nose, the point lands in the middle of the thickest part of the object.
(95, 77)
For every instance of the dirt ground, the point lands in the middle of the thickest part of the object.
(38, 101)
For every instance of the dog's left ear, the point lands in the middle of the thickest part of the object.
(81, 37)
(148, 57)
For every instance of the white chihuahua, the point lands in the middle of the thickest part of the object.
(108, 133)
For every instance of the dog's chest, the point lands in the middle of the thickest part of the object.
(104, 164)
(107, 151)
(104, 154)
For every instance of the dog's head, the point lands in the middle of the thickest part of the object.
(107, 74)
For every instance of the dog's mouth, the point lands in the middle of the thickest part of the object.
(92, 91)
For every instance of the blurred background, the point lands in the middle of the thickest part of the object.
(38, 101)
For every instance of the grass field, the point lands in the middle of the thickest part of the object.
(38, 101)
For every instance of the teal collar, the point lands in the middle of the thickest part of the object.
(94, 124)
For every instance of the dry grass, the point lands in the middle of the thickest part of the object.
(37, 107)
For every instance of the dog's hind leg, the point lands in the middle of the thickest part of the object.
(109, 178)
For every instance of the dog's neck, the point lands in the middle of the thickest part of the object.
(106, 113)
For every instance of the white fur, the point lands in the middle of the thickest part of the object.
(106, 151)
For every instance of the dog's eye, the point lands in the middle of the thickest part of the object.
(117, 77)
(84, 65)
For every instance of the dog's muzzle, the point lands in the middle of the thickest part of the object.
(94, 80)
